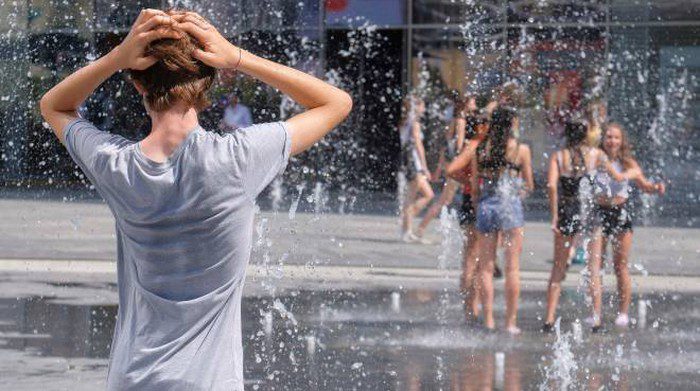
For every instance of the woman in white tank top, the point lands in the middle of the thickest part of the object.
(615, 223)
(414, 166)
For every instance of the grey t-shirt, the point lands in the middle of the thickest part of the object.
(184, 231)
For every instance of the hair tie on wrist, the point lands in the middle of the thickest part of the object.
(240, 55)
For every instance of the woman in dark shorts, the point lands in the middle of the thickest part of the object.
(570, 185)
(615, 221)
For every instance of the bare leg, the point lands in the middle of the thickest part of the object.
(407, 212)
(621, 249)
(513, 240)
(561, 253)
(448, 194)
(595, 247)
(487, 243)
(469, 282)
(425, 192)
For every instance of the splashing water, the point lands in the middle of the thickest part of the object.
(451, 237)
(284, 312)
(295, 203)
(560, 372)
(276, 194)
(320, 199)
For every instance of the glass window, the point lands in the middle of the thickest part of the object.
(242, 15)
(559, 71)
(46, 15)
(353, 13)
(458, 12)
(533, 11)
(653, 10)
(120, 14)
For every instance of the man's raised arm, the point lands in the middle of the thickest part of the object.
(326, 105)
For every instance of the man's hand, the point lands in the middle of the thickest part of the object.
(218, 51)
(326, 106)
(149, 26)
(60, 104)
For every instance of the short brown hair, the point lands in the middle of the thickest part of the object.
(177, 76)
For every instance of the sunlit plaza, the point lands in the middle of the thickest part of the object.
(342, 290)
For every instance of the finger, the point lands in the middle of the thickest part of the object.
(205, 57)
(189, 16)
(197, 16)
(160, 33)
(145, 62)
(203, 24)
(146, 14)
(155, 21)
(193, 29)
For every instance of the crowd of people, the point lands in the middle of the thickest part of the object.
(588, 182)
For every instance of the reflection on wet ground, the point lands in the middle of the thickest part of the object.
(409, 340)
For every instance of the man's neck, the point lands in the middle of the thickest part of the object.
(168, 130)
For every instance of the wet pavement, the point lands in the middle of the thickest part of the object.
(85, 231)
(411, 339)
(336, 302)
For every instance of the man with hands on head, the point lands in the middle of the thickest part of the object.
(183, 198)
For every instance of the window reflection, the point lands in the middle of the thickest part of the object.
(448, 11)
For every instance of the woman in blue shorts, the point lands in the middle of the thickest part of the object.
(503, 176)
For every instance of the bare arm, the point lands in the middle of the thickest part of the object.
(326, 105)
(419, 144)
(552, 182)
(60, 104)
(467, 154)
(460, 124)
(645, 184)
(606, 165)
(456, 169)
(526, 161)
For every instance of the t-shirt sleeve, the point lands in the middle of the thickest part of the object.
(264, 152)
(88, 146)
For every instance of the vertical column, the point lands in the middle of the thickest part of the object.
(14, 88)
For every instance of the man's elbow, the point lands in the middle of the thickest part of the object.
(44, 106)
(344, 104)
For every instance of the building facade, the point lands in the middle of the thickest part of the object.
(637, 59)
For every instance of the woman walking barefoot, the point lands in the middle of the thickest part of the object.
(614, 216)
(502, 178)
(183, 198)
(465, 109)
(414, 165)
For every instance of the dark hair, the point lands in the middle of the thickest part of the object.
(500, 131)
(575, 133)
(177, 76)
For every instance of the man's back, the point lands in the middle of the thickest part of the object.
(184, 231)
